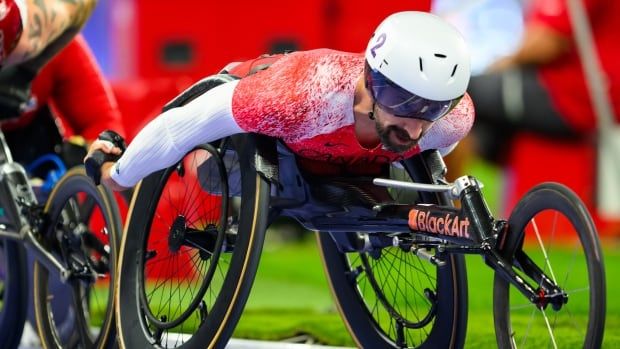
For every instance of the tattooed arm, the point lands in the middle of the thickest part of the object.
(49, 26)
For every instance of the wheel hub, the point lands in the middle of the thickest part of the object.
(177, 234)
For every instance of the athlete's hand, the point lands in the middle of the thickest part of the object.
(105, 147)
(101, 156)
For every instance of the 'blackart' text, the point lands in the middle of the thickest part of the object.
(444, 224)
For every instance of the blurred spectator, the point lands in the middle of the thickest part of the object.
(541, 86)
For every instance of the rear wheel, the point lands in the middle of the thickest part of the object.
(194, 239)
(390, 298)
(84, 230)
(550, 230)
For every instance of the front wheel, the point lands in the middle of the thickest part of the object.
(552, 234)
(83, 231)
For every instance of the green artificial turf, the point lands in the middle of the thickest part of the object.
(291, 297)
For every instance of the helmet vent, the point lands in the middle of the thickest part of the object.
(383, 62)
(421, 66)
(440, 55)
(454, 70)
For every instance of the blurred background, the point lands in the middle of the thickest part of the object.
(151, 50)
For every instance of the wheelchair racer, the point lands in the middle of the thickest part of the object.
(343, 111)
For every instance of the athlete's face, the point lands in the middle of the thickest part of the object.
(399, 134)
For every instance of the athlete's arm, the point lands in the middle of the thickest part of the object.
(171, 135)
(48, 25)
(81, 93)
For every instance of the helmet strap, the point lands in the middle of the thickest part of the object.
(371, 114)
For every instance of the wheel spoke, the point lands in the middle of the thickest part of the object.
(544, 251)
(544, 314)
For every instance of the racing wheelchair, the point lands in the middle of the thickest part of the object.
(393, 249)
(73, 237)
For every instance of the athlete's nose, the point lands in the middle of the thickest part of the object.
(414, 127)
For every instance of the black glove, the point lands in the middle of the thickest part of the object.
(94, 162)
(73, 151)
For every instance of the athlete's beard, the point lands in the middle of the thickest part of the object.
(385, 134)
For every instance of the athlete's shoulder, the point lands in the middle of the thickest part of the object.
(300, 96)
(453, 127)
(12, 22)
(325, 54)
(319, 67)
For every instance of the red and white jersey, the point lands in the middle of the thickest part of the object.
(306, 99)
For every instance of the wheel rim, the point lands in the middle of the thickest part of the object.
(398, 291)
(86, 250)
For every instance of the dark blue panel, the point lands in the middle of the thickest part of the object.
(98, 34)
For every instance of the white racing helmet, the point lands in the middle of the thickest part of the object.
(417, 65)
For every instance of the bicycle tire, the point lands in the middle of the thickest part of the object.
(221, 296)
(544, 210)
(372, 318)
(13, 295)
(77, 208)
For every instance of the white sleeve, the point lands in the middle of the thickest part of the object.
(169, 136)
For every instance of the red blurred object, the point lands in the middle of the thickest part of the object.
(534, 160)
(140, 100)
(154, 38)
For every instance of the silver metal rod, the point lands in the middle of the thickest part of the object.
(5, 152)
(436, 188)
(43, 255)
(6, 234)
